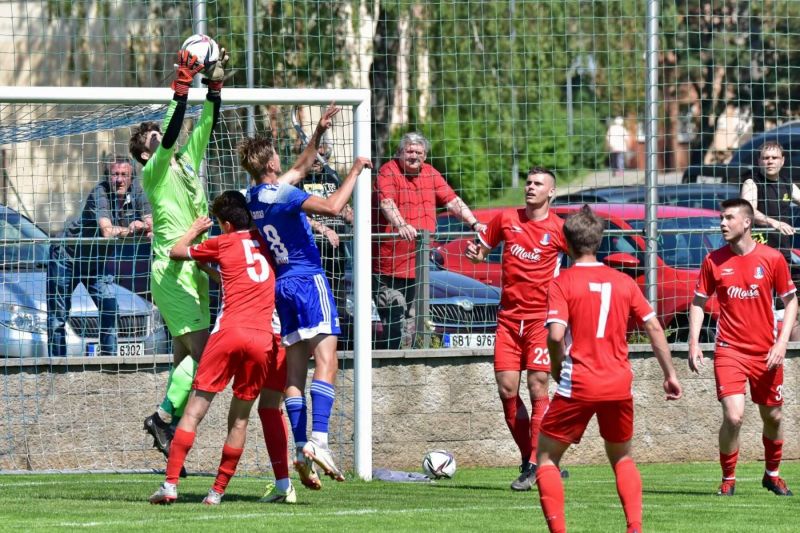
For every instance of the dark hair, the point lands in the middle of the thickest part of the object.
(741, 203)
(231, 206)
(584, 231)
(254, 155)
(542, 170)
(138, 143)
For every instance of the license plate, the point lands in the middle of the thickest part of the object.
(468, 340)
(124, 349)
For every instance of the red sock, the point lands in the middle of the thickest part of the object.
(227, 467)
(518, 422)
(551, 497)
(276, 437)
(629, 488)
(539, 408)
(178, 450)
(773, 451)
(728, 463)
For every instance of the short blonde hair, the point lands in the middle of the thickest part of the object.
(254, 155)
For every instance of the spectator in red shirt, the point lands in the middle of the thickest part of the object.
(408, 192)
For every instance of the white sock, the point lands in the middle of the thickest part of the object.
(163, 415)
(283, 484)
(320, 438)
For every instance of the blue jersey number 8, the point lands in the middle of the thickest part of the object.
(279, 251)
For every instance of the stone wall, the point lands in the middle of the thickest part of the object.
(86, 413)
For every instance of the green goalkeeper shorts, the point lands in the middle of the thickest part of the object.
(180, 291)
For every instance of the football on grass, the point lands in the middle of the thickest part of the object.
(203, 47)
(439, 464)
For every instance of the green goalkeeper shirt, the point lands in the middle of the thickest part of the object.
(173, 186)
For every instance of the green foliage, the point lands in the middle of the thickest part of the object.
(457, 151)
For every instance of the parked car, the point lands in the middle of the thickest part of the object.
(460, 307)
(23, 302)
(700, 195)
(678, 262)
(745, 158)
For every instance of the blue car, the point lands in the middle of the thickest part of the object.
(23, 302)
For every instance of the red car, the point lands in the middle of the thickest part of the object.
(678, 263)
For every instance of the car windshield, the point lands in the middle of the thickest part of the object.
(13, 228)
(685, 250)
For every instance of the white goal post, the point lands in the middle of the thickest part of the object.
(358, 100)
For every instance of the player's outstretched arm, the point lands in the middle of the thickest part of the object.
(309, 154)
(180, 251)
(777, 353)
(201, 133)
(696, 313)
(555, 346)
(333, 205)
(661, 350)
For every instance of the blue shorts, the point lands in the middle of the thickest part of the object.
(306, 308)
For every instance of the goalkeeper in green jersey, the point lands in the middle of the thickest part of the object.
(171, 181)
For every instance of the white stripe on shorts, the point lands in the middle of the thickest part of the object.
(324, 301)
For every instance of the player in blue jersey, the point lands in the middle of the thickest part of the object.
(303, 297)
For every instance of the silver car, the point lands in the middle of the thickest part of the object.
(23, 302)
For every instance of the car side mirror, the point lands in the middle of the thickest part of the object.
(623, 262)
(437, 258)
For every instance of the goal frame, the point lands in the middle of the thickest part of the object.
(359, 101)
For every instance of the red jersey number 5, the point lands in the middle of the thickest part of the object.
(253, 256)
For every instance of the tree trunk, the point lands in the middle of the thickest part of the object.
(423, 66)
(382, 75)
(402, 83)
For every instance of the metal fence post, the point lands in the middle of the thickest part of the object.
(422, 303)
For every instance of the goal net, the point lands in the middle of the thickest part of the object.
(85, 411)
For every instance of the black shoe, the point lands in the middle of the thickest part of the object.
(564, 474)
(526, 479)
(775, 484)
(162, 437)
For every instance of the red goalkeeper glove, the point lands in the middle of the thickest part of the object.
(216, 73)
(188, 66)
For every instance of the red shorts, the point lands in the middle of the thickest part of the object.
(566, 419)
(732, 369)
(238, 353)
(276, 366)
(521, 345)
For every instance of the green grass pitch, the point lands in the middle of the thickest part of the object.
(677, 497)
